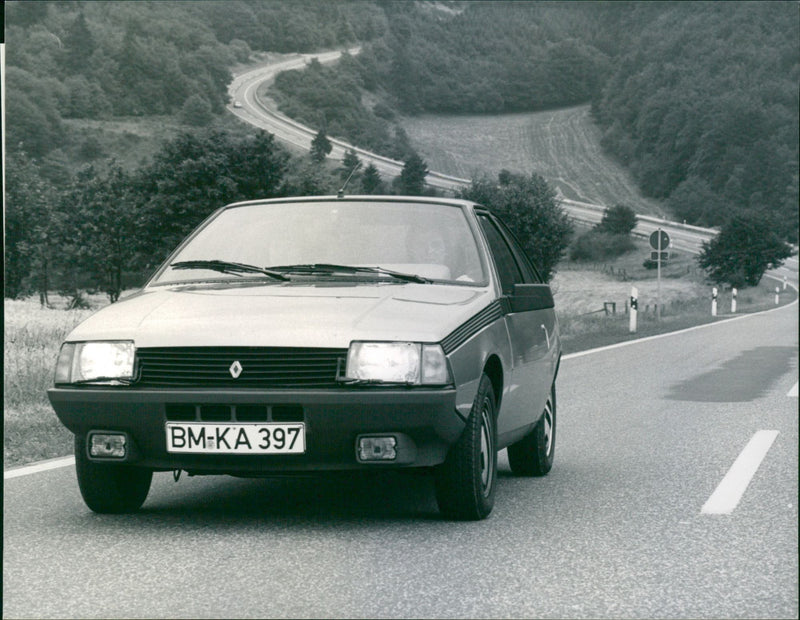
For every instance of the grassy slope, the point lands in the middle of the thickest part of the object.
(562, 145)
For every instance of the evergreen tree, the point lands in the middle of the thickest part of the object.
(320, 147)
(411, 181)
(371, 182)
(350, 162)
(79, 45)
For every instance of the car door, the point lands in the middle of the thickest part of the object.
(531, 324)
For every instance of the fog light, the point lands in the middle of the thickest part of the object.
(107, 445)
(377, 448)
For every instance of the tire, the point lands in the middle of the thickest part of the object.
(466, 481)
(533, 454)
(110, 488)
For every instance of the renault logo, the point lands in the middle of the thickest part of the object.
(235, 369)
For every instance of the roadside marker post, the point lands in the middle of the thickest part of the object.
(659, 240)
(733, 301)
(777, 295)
(714, 301)
(784, 282)
(634, 308)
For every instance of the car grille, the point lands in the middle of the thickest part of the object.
(260, 367)
(181, 412)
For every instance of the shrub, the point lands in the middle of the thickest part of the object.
(620, 220)
(596, 245)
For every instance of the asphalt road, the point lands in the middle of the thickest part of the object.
(624, 526)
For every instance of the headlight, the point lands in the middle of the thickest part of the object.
(412, 363)
(101, 362)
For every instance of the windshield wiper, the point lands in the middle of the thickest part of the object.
(224, 266)
(329, 269)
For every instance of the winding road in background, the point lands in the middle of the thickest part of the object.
(261, 111)
(674, 494)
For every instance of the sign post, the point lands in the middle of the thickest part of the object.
(659, 240)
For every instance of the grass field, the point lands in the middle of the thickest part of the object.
(561, 145)
(33, 335)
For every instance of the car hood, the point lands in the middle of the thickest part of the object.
(285, 315)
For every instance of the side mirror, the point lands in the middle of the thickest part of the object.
(528, 297)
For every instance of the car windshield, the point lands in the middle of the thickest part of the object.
(331, 239)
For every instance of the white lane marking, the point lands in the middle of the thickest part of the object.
(726, 496)
(793, 391)
(38, 467)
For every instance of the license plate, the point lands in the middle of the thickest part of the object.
(197, 438)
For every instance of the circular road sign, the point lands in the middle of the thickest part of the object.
(654, 239)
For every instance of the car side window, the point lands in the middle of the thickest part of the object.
(529, 271)
(507, 266)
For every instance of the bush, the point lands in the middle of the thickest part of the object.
(620, 220)
(197, 112)
(596, 245)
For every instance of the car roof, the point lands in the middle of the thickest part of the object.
(453, 202)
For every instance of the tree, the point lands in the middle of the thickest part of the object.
(529, 207)
(196, 111)
(197, 172)
(28, 224)
(320, 147)
(79, 45)
(618, 220)
(744, 249)
(350, 162)
(371, 182)
(411, 181)
(100, 229)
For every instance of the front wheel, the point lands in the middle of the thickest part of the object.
(110, 488)
(533, 454)
(465, 482)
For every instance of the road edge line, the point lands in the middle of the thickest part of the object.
(35, 468)
(626, 343)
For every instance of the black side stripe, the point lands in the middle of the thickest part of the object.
(466, 330)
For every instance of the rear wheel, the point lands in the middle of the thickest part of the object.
(110, 488)
(533, 454)
(465, 482)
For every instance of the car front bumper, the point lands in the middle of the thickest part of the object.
(424, 421)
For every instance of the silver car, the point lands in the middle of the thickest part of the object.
(321, 334)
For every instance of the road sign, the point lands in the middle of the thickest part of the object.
(664, 256)
(654, 240)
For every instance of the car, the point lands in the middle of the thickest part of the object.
(321, 334)
(237, 104)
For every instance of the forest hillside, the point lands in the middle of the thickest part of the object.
(699, 101)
